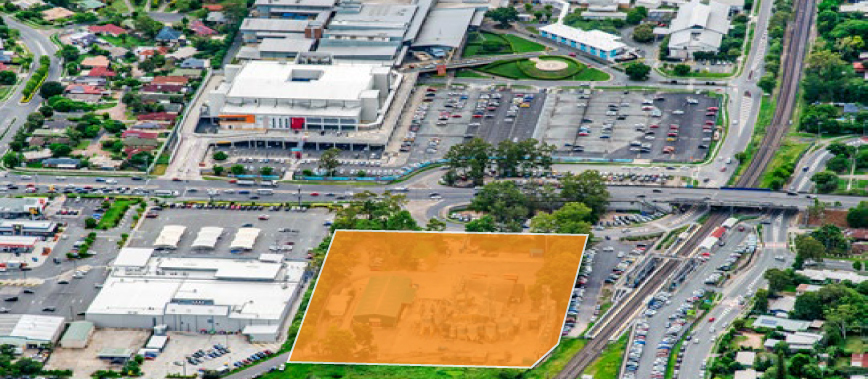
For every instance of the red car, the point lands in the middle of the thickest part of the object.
(456, 116)
(713, 109)
(711, 319)
(314, 193)
(654, 126)
(723, 169)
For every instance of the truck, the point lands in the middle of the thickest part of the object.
(264, 191)
(245, 183)
(165, 193)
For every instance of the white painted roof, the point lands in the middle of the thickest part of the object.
(275, 80)
(595, 38)
(245, 238)
(133, 257)
(170, 236)
(207, 237)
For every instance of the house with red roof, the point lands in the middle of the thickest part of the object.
(175, 80)
(157, 116)
(83, 89)
(213, 7)
(164, 88)
(107, 29)
(140, 134)
(101, 72)
(200, 29)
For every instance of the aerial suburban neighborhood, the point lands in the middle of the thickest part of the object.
(415, 189)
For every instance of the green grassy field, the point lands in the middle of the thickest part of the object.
(764, 119)
(609, 362)
(114, 214)
(129, 41)
(511, 44)
(465, 73)
(525, 69)
(789, 152)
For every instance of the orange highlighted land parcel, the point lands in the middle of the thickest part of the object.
(442, 299)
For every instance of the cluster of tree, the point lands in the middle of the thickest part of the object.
(37, 78)
(636, 15)
(17, 368)
(643, 33)
(638, 71)
(370, 211)
(503, 15)
(134, 103)
(843, 306)
(783, 14)
(581, 201)
(540, 15)
(473, 159)
(857, 217)
(826, 181)
(828, 119)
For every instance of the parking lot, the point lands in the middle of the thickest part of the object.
(181, 346)
(449, 116)
(660, 127)
(304, 230)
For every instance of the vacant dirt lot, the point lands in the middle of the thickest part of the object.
(84, 362)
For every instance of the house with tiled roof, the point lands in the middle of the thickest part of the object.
(168, 35)
(200, 29)
(176, 80)
(218, 18)
(97, 61)
(213, 7)
(101, 72)
(83, 89)
(164, 88)
(135, 145)
(57, 13)
(140, 134)
(107, 29)
(157, 116)
(195, 63)
(91, 5)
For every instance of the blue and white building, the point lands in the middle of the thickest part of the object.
(594, 42)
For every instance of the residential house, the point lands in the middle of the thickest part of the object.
(6, 56)
(213, 7)
(148, 126)
(195, 63)
(36, 155)
(101, 72)
(200, 29)
(140, 134)
(61, 163)
(821, 276)
(57, 13)
(86, 93)
(135, 145)
(215, 18)
(157, 117)
(83, 39)
(27, 4)
(4, 67)
(745, 358)
(36, 142)
(176, 80)
(857, 234)
(803, 340)
(91, 5)
(107, 29)
(804, 288)
(745, 374)
(105, 163)
(164, 88)
(187, 72)
(698, 27)
(858, 248)
(96, 81)
(145, 52)
(182, 53)
(169, 35)
(782, 305)
(97, 61)
(57, 124)
(772, 322)
(859, 360)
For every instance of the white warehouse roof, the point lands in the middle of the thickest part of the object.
(170, 236)
(595, 38)
(290, 81)
(207, 237)
(133, 257)
(33, 328)
(245, 238)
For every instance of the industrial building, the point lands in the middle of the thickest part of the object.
(596, 43)
(78, 335)
(697, 27)
(25, 207)
(248, 296)
(312, 93)
(30, 331)
(372, 32)
(28, 227)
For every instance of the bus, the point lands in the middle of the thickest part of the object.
(245, 182)
(269, 183)
(264, 191)
(165, 193)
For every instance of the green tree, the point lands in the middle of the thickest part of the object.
(12, 159)
(60, 150)
(220, 156)
(51, 89)
(636, 15)
(484, 224)
(826, 181)
(809, 248)
(435, 225)
(841, 318)
(505, 202)
(237, 170)
(681, 69)
(638, 71)
(528, 7)
(218, 170)
(572, 218)
(832, 238)
(588, 188)
(90, 223)
(329, 162)
(768, 82)
(68, 53)
(503, 15)
(266, 171)
(146, 25)
(857, 217)
(8, 77)
(778, 280)
(857, 265)
(761, 301)
(643, 33)
(493, 45)
(809, 306)
(470, 158)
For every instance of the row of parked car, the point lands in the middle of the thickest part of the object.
(579, 293)
(630, 219)
(201, 355)
(628, 177)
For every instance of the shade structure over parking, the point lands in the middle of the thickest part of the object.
(444, 299)
(207, 237)
(245, 238)
(170, 236)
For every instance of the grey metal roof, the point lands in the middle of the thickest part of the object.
(445, 27)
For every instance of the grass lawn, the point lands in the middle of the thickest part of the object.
(525, 69)
(128, 41)
(789, 152)
(120, 6)
(693, 74)
(465, 73)
(855, 344)
(82, 145)
(113, 215)
(764, 119)
(511, 44)
(609, 362)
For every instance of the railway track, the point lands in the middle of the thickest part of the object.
(797, 45)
